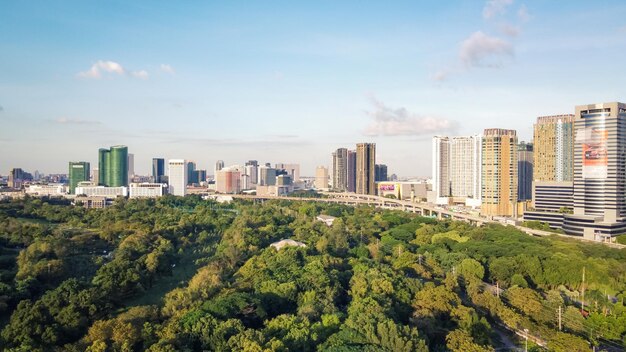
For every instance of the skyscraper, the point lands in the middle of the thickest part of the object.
(267, 176)
(465, 167)
(78, 172)
(177, 176)
(158, 169)
(441, 168)
(553, 154)
(499, 172)
(380, 172)
(251, 169)
(218, 166)
(113, 166)
(351, 174)
(525, 171)
(191, 173)
(340, 169)
(599, 176)
(365, 164)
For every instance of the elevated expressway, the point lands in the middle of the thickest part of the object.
(423, 209)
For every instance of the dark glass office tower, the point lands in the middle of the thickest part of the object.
(158, 169)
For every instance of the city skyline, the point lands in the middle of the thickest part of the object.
(331, 80)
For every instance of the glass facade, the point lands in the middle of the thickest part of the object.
(78, 172)
(113, 166)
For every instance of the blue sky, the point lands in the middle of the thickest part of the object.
(292, 81)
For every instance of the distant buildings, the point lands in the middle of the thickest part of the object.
(365, 168)
(17, 177)
(251, 169)
(101, 191)
(191, 173)
(177, 176)
(113, 166)
(553, 156)
(267, 176)
(293, 170)
(78, 172)
(499, 172)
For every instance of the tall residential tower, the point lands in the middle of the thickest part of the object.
(499, 172)
(365, 168)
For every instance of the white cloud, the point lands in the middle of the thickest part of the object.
(480, 50)
(102, 67)
(167, 69)
(141, 74)
(523, 14)
(96, 70)
(71, 121)
(495, 7)
(510, 30)
(401, 122)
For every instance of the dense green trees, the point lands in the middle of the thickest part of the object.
(115, 280)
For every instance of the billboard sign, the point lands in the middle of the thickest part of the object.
(387, 187)
(595, 153)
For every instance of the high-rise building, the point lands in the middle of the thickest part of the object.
(499, 172)
(251, 169)
(293, 170)
(158, 170)
(131, 167)
(365, 168)
(228, 180)
(78, 172)
(321, 178)
(553, 151)
(340, 169)
(525, 171)
(599, 176)
(380, 173)
(199, 176)
(465, 167)
(95, 176)
(177, 176)
(113, 166)
(218, 166)
(351, 172)
(267, 176)
(191, 173)
(441, 168)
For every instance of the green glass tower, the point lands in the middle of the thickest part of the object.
(79, 172)
(113, 166)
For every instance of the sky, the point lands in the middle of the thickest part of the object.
(291, 81)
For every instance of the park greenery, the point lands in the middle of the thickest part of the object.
(186, 274)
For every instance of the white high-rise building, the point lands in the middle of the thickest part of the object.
(465, 167)
(441, 169)
(177, 176)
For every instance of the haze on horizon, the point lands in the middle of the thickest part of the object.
(290, 82)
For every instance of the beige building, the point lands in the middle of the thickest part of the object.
(553, 151)
(228, 180)
(321, 178)
(499, 172)
(365, 168)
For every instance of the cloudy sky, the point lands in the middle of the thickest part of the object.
(291, 81)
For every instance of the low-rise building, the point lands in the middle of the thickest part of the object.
(102, 191)
(146, 190)
(49, 190)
